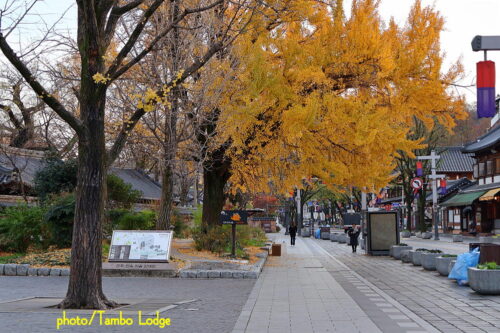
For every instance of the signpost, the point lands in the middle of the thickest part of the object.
(233, 217)
(417, 183)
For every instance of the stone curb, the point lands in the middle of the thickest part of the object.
(27, 270)
(254, 273)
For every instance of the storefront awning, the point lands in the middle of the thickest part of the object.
(462, 199)
(490, 195)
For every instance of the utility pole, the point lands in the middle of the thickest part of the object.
(299, 212)
(363, 217)
(433, 157)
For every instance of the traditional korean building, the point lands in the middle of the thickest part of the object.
(18, 168)
(476, 209)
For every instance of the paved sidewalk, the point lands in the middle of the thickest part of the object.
(297, 293)
(433, 298)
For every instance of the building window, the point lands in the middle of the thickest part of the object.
(489, 168)
(482, 171)
(497, 166)
(476, 173)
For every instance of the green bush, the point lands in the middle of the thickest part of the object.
(59, 221)
(181, 229)
(121, 193)
(20, 227)
(56, 177)
(122, 219)
(218, 239)
(489, 265)
(422, 250)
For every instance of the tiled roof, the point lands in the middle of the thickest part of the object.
(453, 160)
(27, 166)
(139, 181)
(488, 140)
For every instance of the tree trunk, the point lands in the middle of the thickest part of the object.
(214, 181)
(85, 281)
(167, 197)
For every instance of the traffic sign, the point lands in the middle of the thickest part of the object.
(417, 183)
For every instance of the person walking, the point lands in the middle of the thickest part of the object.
(353, 234)
(292, 230)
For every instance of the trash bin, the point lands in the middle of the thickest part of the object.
(489, 253)
(276, 250)
(472, 246)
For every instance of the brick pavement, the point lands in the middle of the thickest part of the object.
(306, 290)
(435, 299)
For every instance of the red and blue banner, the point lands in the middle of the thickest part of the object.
(485, 89)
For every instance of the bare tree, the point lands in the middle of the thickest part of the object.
(98, 22)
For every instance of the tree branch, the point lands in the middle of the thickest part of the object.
(115, 71)
(129, 125)
(50, 100)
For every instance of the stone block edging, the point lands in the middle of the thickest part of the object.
(253, 273)
(27, 270)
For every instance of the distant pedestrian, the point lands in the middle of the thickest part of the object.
(292, 230)
(353, 235)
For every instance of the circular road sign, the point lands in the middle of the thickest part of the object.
(417, 183)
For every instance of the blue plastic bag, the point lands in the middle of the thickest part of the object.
(317, 233)
(464, 260)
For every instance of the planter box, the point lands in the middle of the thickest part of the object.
(333, 237)
(428, 261)
(484, 281)
(405, 234)
(427, 235)
(416, 258)
(405, 256)
(458, 238)
(342, 238)
(396, 250)
(325, 235)
(418, 234)
(450, 266)
(305, 232)
(443, 265)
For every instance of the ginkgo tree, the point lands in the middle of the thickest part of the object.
(324, 95)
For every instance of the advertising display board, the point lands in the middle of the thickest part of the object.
(383, 232)
(140, 246)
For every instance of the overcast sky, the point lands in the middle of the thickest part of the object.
(464, 20)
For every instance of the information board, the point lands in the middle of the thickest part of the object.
(383, 232)
(233, 217)
(140, 246)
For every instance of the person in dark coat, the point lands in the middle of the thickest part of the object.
(292, 230)
(353, 234)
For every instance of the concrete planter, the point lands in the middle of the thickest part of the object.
(306, 232)
(416, 258)
(396, 250)
(325, 235)
(405, 234)
(428, 261)
(342, 238)
(458, 238)
(450, 266)
(333, 237)
(484, 281)
(427, 235)
(418, 234)
(443, 265)
(405, 256)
